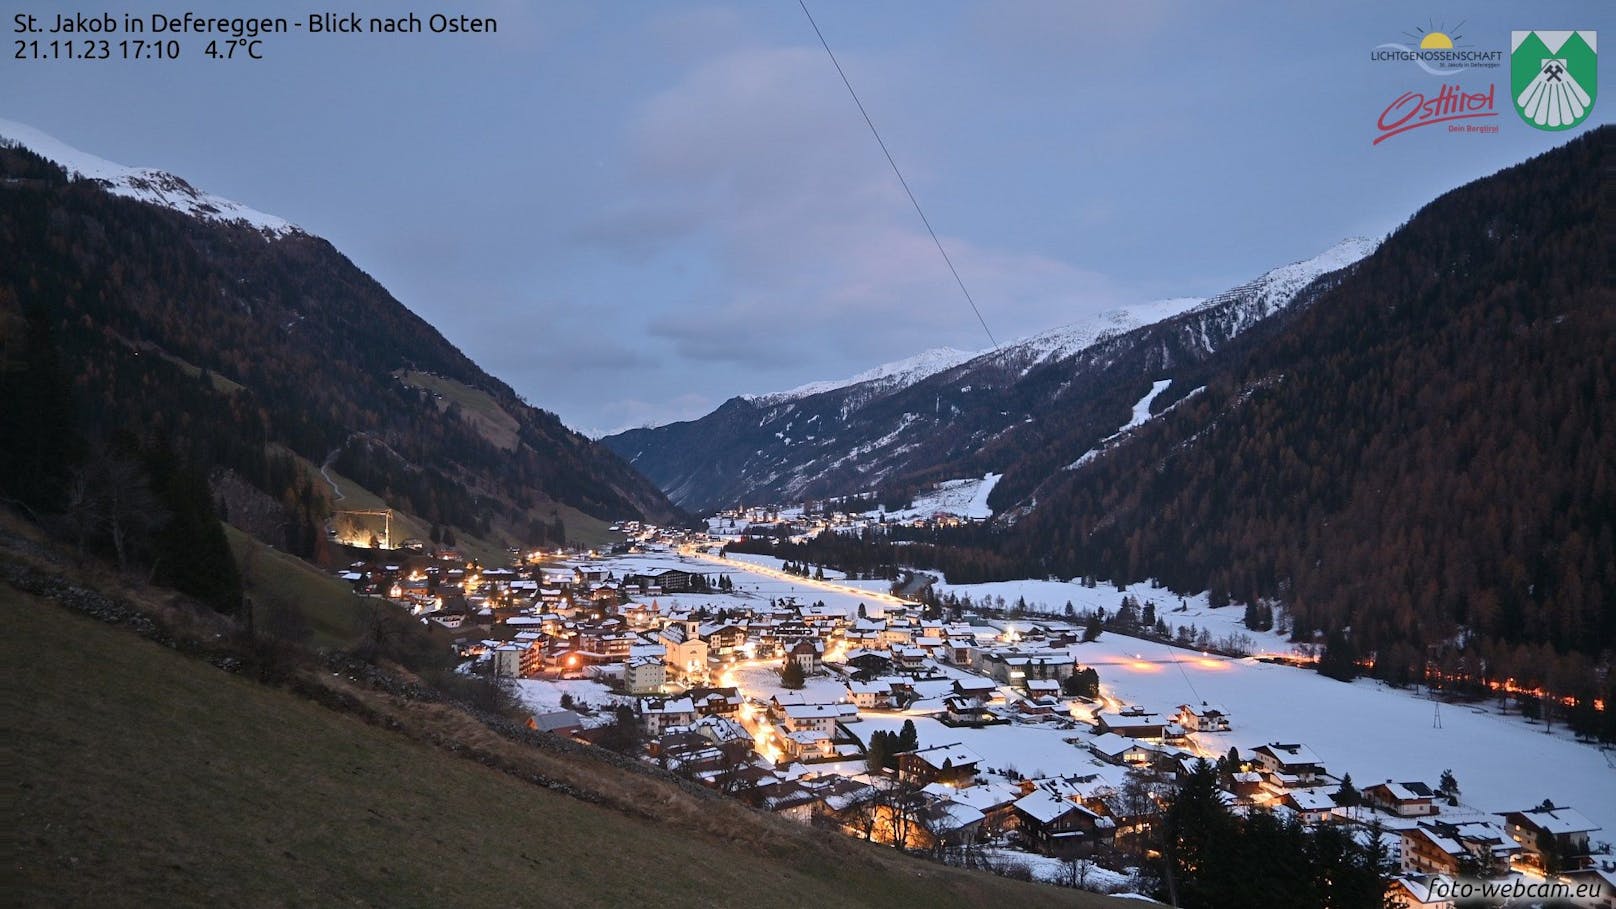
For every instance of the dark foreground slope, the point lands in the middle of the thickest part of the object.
(142, 776)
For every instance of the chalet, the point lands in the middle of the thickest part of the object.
(995, 798)
(1118, 749)
(560, 722)
(1484, 847)
(715, 701)
(808, 744)
(975, 687)
(868, 663)
(723, 638)
(1312, 806)
(645, 675)
(1061, 827)
(1551, 836)
(869, 694)
(1132, 722)
(789, 799)
(1289, 764)
(1411, 799)
(820, 718)
(1043, 688)
(960, 711)
(1415, 891)
(720, 730)
(952, 765)
(946, 822)
(1205, 718)
(909, 659)
(657, 714)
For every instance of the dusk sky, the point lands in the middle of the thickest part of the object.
(633, 211)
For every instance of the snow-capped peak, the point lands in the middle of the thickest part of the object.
(890, 376)
(141, 183)
(1073, 337)
(1278, 287)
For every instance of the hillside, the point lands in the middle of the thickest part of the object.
(262, 353)
(145, 776)
(1022, 410)
(1423, 456)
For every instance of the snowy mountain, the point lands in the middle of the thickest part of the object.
(884, 378)
(143, 183)
(1024, 410)
(268, 355)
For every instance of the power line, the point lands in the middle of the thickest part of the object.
(905, 183)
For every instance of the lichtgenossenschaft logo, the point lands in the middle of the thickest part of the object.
(1438, 50)
(1553, 76)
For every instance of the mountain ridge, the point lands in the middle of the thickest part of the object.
(962, 419)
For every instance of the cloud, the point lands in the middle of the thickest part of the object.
(757, 164)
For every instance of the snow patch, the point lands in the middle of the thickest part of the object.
(888, 376)
(143, 184)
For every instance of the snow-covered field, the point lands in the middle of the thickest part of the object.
(966, 498)
(1050, 598)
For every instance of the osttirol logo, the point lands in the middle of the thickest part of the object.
(1552, 76)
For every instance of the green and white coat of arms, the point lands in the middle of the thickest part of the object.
(1552, 76)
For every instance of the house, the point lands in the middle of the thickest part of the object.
(1132, 722)
(644, 675)
(1205, 718)
(960, 711)
(1061, 827)
(1313, 806)
(789, 799)
(809, 743)
(507, 660)
(715, 701)
(1550, 837)
(560, 722)
(1414, 891)
(1475, 847)
(820, 718)
(1289, 764)
(657, 714)
(807, 654)
(720, 730)
(1411, 799)
(952, 765)
(870, 694)
(1043, 688)
(975, 687)
(1119, 749)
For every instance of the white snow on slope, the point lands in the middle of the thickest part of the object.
(142, 183)
(887, 376)
(1141, 410)
(1141, 413)
(1066, 340)
(966, 498)
(1276, 289)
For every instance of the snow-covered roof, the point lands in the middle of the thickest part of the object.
(1559, 821)
(1046, 807)
(1289, 754)
(955, 754)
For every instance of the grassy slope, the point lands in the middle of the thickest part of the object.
(335, 613)
(144, 777)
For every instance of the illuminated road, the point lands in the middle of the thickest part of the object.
(875, 596)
